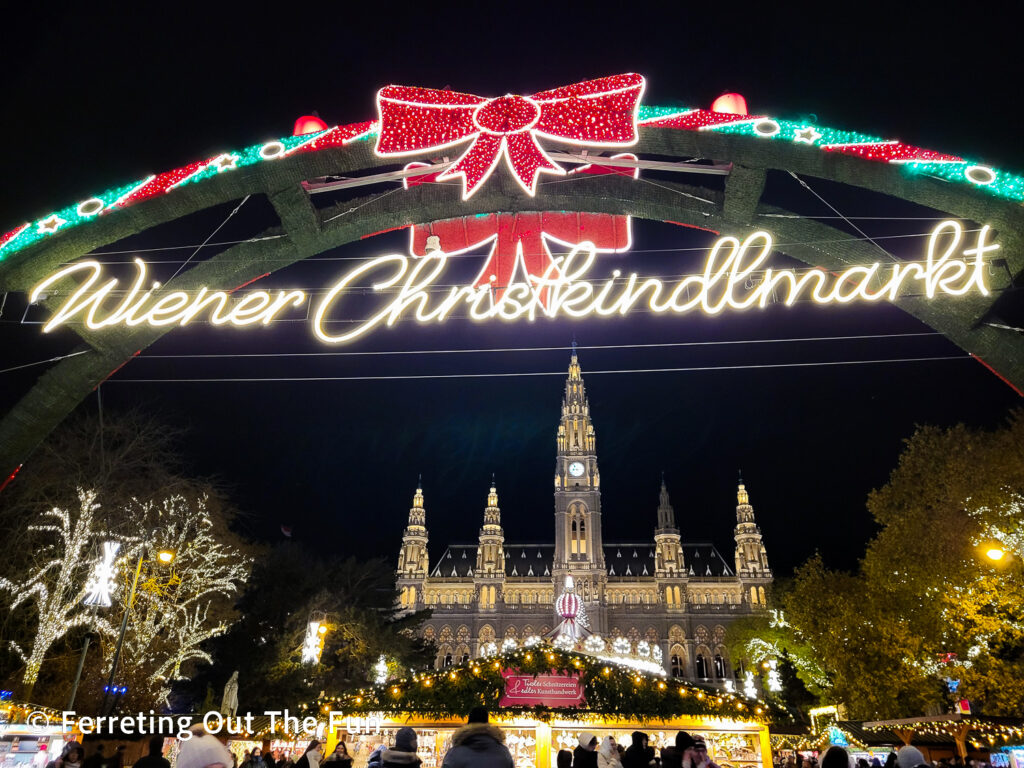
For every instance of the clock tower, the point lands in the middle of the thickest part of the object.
(578, 543)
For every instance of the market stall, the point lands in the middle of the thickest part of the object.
(542, 697)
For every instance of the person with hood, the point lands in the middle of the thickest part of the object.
(70, 757)
(478, 744)
(374, 759)
(585, 755)
(608, 754)
(403, 754)
(155, 758)
(255, 759)
(563, 759)
(311, 758)
(636, 753)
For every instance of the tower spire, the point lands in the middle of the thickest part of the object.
(751, 558)
(666, 515)
(413, 560)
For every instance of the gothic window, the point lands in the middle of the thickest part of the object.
(583, 537)
(651, 635)
(719, 666)
(675, 594)
(760, 595)
(675, 633)
(465, 658)
(447, 659)
(575, 539)
(753, 595)
(677, 661)
(702, 667)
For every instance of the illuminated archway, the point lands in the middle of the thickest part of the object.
(742, 149)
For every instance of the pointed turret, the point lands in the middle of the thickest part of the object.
(666, 515)
(751, 558)
(489, 574)
(413, 560)
(668, 553)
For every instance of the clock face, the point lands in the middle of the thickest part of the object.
(576, 469)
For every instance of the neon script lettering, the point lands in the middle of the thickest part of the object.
(735, 277)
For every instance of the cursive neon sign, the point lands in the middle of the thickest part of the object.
(735, 277)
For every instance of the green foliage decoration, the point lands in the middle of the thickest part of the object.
(610, 690)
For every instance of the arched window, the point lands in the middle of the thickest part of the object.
(677, 666)
(760, 595)
(719, 666)
(465, 658)
(447, 660)
(702, 665)
(753, 595)
(575, 542)
(583, 537)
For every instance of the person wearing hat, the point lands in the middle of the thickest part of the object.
(910, 757)
(403, 754)
(478, 744)
(693, 750)
(155, 758)
(608, 754)
(201, 750)
(585, 755)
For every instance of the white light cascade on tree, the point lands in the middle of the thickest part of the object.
(748, 685)
(380, 670)
(313, 645)
(101, 584)
(53, 583)
(735, 277)
(774, 681)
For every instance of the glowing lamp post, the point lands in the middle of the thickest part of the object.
(112, 692)
(995, 554)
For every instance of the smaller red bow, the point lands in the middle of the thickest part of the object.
(598, 112)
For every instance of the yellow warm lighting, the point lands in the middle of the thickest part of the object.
(734, 277)
(165, 556)
(322, 629)
(995, 553)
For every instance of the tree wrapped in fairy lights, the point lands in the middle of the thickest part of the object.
(55, 584)
(179, 607)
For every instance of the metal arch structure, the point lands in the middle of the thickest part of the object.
(307, 231)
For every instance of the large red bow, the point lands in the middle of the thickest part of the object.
(598, 112)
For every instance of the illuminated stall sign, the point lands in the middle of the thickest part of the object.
(541, 690)
(735, 277)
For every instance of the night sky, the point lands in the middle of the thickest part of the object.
(94, 99)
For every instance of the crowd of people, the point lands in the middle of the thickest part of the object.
(906, 757)
(477, 744)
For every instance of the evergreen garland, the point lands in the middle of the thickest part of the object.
(610, 690)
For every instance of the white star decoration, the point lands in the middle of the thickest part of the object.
(806, 135)
(51, 224)
(226, 163)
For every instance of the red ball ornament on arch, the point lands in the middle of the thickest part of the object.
(308, 124)
(730, 103)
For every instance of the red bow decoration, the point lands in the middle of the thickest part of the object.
(521, 241)
(598, 112)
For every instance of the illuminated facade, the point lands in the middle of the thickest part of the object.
(676, 595)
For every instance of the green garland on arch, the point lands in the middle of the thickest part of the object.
(610, 690)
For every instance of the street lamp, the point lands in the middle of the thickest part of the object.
(995, 553)
(165, 556)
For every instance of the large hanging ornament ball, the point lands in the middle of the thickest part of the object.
(568, 605)
(308, 124)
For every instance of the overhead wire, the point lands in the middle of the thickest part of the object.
(562, 348)
(421, 376)
(220, 226)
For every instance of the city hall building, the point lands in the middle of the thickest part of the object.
(676, 595)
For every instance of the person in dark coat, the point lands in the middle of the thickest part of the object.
(636, 753)
(403, 754)
(340, 756)
(95, 760)
(585, 755)
(836, 757)
(70, 757)
(312, 756)
(693, 751)
(155, 758)
(478, 744)
(563, 759)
